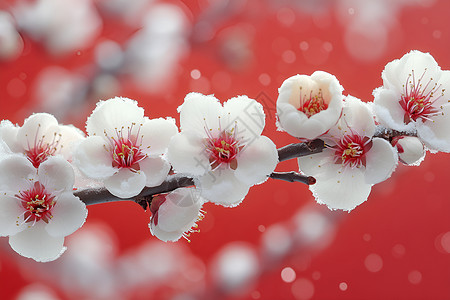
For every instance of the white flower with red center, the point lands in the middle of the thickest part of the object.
(38, 206)
(414, 97)
(222, 146)
(40, 137)
(308, 106)
(174, 215)
(353, 160)
(124, 148)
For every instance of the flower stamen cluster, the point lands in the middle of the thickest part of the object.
(416, 102)
(312, 104)
(351, 150)
(126, 149)
(38, 204)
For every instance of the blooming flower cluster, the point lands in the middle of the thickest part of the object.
(218, 153)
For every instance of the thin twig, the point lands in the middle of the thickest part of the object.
(300, 149)
(293, 177)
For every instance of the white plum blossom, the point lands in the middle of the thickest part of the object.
(308, 106)
(410, 150)
(40, 137)
(175, 214)
(413, 98)
(38, 206)
(222, 146)
(124, 148)
(353, 160)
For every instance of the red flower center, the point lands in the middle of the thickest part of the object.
(39, 151)
(312, 104)
(223, 150)
(38, 204)
(416, 101)
(351, 150)
(126, 150)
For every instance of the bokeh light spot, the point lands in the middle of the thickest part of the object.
(288, 274)
(373, 262)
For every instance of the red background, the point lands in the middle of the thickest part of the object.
(409, 212)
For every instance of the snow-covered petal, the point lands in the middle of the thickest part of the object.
(187, 153)
(110, 116)
(93, 159)
(8, 133)
(11, 219)
(156, 135)
(36, 128)
(165, 236)
(411, 151)
(126, 183)
(68, 214)
(397, 71)
(155, 169)
(257, 161)
(70, 135)
(180, 210)
(16, 173)
(381, 161)
(35, 243)
(356, 117)
(200, 113)
(222, 187)
(56, 174)
(388, 109)
(320, 163)
(436, 133)
(297, 124)
(345, 191)
(245, 115)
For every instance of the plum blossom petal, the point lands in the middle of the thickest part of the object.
(223, 188)
(174, 214)
(307, 106)
(256, 161)
(410, 149)
(156, 135)
(113, 114)
(16, 173)
(345, 190)
(126, 183)
(69, 214)
(35, 127)
(248, 113)
(381, 162)
(10, 216)
(37, 244)
(8, 133)
(155, 170)
(436, 134)
(187, 153)
(56, 174)
(93, 159)
(200, 113)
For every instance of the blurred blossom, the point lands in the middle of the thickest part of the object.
(235, 267)
(153, 53)
(59, 91)
(63, 26)
(37, 291)
(314, 227)
(11, 43)
(130, 10)
(276, 241)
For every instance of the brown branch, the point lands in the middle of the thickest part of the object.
(293, 177)
(300, 149)
(101, 195)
